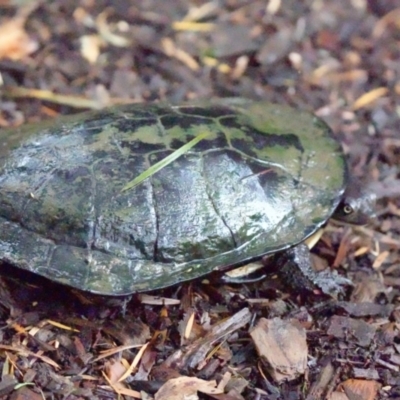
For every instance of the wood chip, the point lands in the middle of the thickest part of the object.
(157, 300)
(7, 384)
(195, 353)
(352, 330)
(282, 346)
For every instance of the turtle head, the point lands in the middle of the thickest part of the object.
(357, 206)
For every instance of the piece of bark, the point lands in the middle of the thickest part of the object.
(195, 353)
(352, 329)
(7, 384)
(282, 346)
(325, 376)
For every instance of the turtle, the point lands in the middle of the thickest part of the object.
(262, 179)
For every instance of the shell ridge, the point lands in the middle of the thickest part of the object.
(156, 213)
(208, 192)
(92, 221)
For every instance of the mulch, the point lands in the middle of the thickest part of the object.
(206, 339)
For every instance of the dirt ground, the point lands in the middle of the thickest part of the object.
(339, 59)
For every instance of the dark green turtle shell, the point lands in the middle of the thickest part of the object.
(263, 180)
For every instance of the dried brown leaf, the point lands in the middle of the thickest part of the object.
(15, 43)
(360, 389)
(186, 387)
(114, 371)
(134, 363)
(369, 97)
(24, 351)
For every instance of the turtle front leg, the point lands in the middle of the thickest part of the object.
(294, 266)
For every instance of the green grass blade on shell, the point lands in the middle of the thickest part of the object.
(164, 162)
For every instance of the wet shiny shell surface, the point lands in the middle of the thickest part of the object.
(264, 179)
